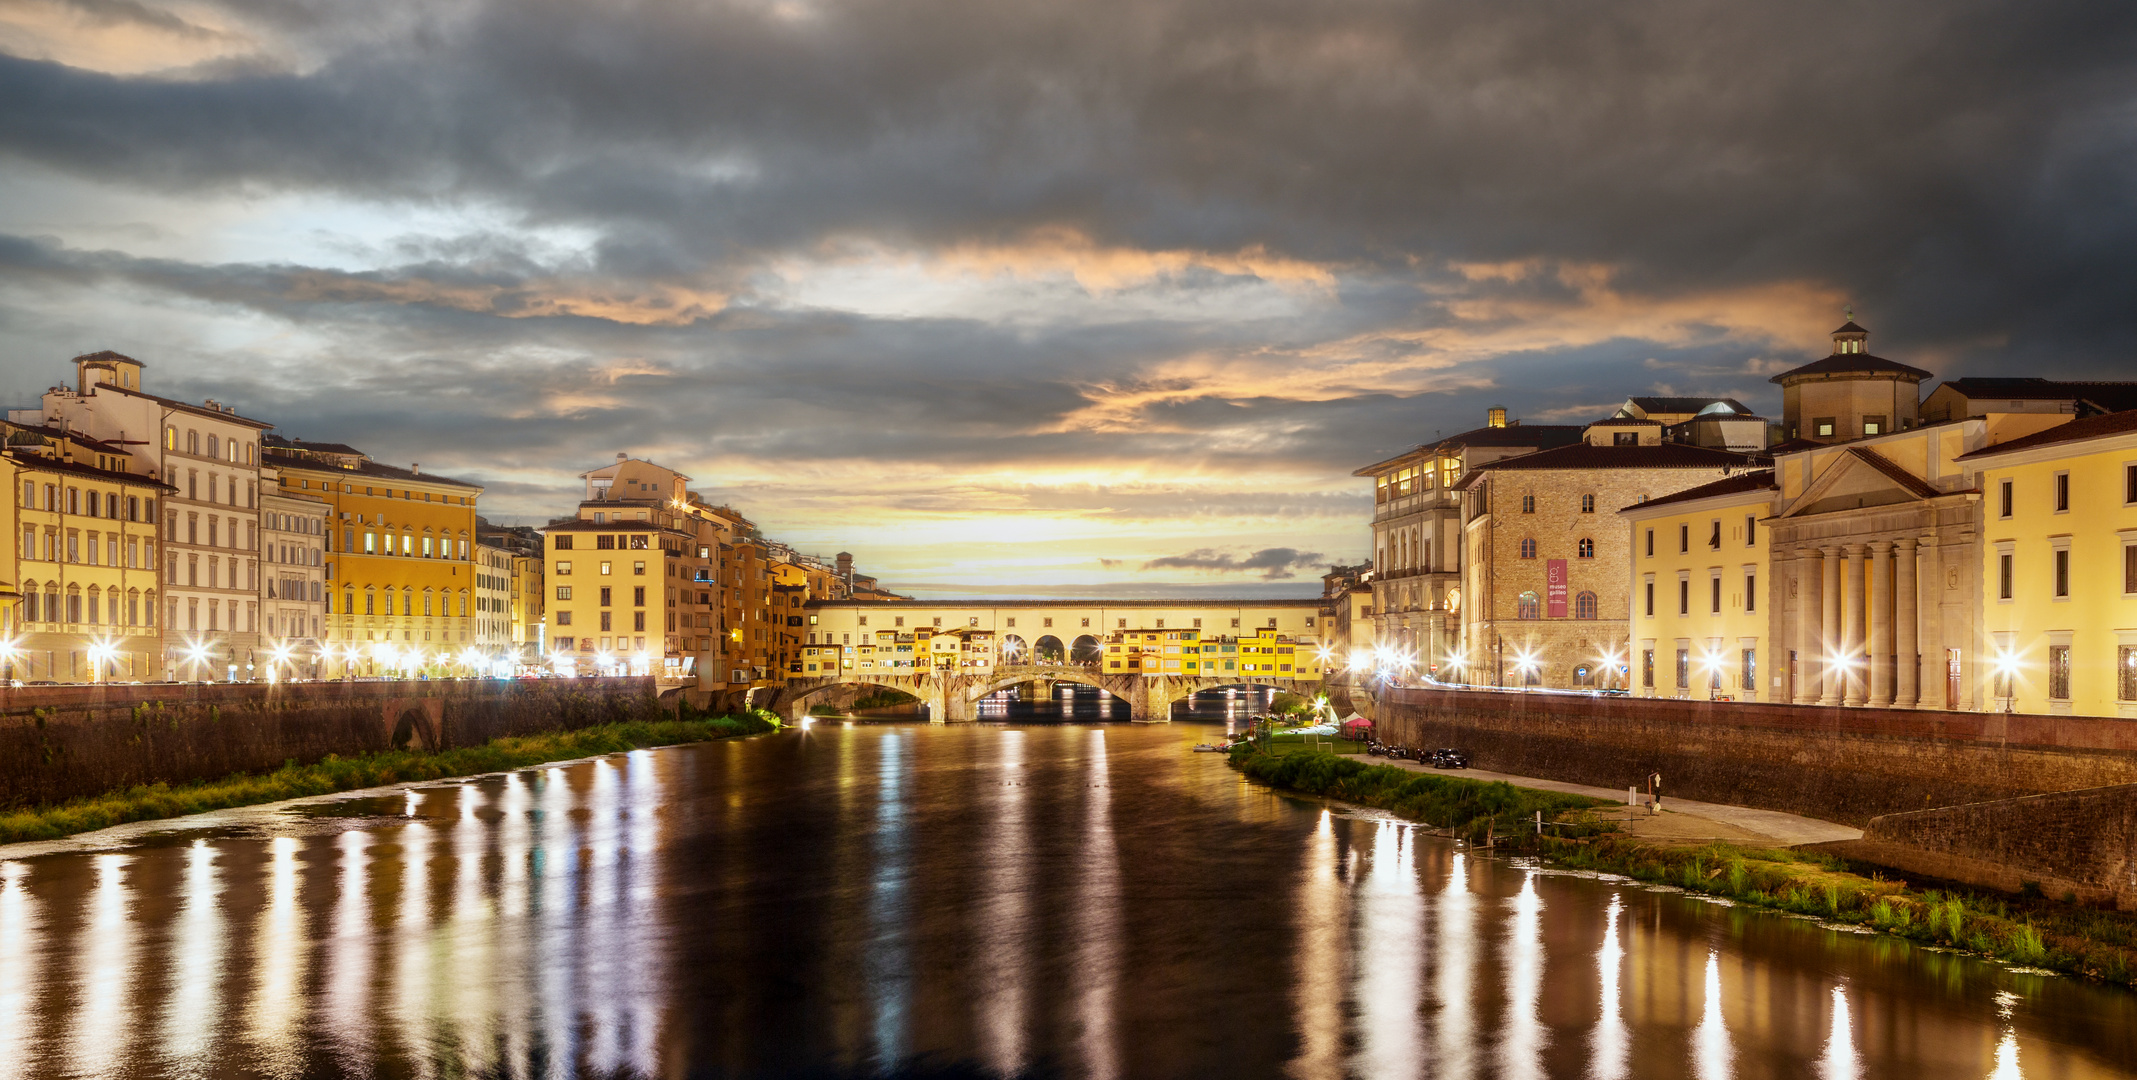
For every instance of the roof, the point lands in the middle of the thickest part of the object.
(1853, 364)
(284, 459)
(1540, 436)
(1893, 472)
(1660, 456)
(2091, 427)
(1761, 480)
(1075, 602)
(270, 439)
(40, 462)
(182, 406)
(1849, 327)
(1626, 421)
(2112, 396)
(107, 356)
(47, 431)
(583, 525)
(1686, 404)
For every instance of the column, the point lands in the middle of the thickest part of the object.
(1906, 610)
(1880, 642)
(1835, 677)
(1810, 625)
(1851, 624)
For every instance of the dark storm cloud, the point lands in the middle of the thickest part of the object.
(1274, 564)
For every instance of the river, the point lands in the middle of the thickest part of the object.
(847, 900)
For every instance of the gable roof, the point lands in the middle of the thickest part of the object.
(1852, 460)
(1539, 436)
(1758, 480)
(1658, 456)
(2104, 395)
(2091, 427)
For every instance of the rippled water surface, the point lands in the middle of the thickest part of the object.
(1060, 899)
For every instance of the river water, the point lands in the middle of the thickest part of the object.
(849, 900)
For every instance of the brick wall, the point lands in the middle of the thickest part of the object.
(1846, 765)
(2077, 842)
(58, 743)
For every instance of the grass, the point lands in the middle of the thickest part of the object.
(155, 801)
(1470, 808)
(2030, 931)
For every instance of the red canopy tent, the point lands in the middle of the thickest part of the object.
(1357, 728)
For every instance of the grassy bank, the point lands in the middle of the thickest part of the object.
(154, 801)
(2034, 933)
(1467, 807)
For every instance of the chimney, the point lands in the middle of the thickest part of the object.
(1495, 416)
(415, 467)
(623, 457)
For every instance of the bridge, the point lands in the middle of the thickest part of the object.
(952, 694)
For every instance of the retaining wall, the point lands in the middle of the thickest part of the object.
(2080, 843)
(1839, 764)
(63, 742)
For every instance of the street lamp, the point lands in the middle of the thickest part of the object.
(197, 653)
(100, 653)
(2007, 671)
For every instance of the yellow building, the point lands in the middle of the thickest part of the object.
(618, 590)
(1699, 603)
(82, 556)
(1264, 654)
(2059, 551)
(400, 555)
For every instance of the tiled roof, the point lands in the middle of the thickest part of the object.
(603, 526)
(2091, 427)
(1539, 436)
(277, 442)
(2111, 396)
(1685, 404)
(107, 354)
(1661, 456)
(1626, 421)
(36, 461)
(1853, 363)
(185, 406)
(1760, 480)
(285, 459)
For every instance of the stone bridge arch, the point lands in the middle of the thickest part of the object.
(1170, 692)
(791, 701)
(414, 723)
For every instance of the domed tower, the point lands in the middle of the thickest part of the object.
(1849, 394)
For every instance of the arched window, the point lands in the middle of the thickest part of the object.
(1529, 607)
(1587, 504)
(1584, 606)
(1528, 504)
(1528, 547)
(1584, 676)
(1531, 675)
(1587, 548)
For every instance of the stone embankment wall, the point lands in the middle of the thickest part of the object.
(58, 743)
(2077, 843)
(1846, 765)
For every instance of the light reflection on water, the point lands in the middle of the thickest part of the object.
(1089, 901)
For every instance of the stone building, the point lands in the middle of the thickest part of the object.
(1544, 585)
(1417, 532)
(293, 532)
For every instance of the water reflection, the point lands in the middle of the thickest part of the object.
(1073, 900)
(103, 1015)
(1712, 1056)
(19, 957)
(1521, 1048)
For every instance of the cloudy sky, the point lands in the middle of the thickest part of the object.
(1088, 296)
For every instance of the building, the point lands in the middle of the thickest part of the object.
(1417, 532)
(494, 625)
(293, 533)
(2059, 554)
(1347, 626)
(1544, 588)
(1699, 613)
(1718, 423)
(527, 632)
(1849, 394)
(210, 458)
(399, 554)
(2022, 406)
(81, 561)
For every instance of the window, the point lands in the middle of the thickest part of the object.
(1584, 605)
(638, 569)
(605, 542)
(1528, 607)
(1714, 601)
(1684, 669)
(2004, 495)
(1624, 438)
(1751, 590)
(638, 596)
(638, 621)
(1650, 543)
(564, 568)
(2129, 568)
(1873, 425)
(607, 621)
(1823, 426)
(1751, 530)
(2129, 484)
(1528, 547)
(1587, 504)
(1750, 670)
(1586, 548)
(2059, 672)
(606, 595)
(1714, 538)
(1684, 596)
(2062, 493)
(607, 568)
(563, 592)
(2003, 576)
(1650, 599)
(563, 543)
(2062, 573)
(2126, 673)
(1647, 668)
(1684, 538)
(1528, 504)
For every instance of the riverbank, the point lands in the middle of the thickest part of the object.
(2025, 931)
(334, 773)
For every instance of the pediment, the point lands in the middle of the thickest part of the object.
(1859, 479)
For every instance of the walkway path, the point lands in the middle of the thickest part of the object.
(1735, 823)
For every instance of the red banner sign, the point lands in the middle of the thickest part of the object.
(1555, 589)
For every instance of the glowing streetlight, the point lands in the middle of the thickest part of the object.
(197, 653)
(2006, 664)
(100, 653)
